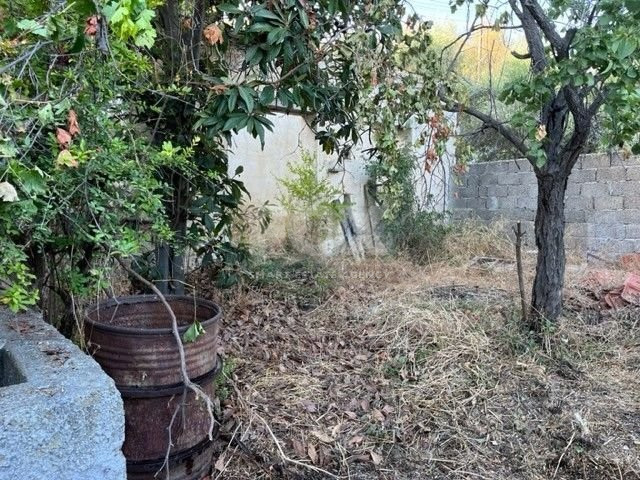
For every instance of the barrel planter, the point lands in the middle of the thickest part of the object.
(132, 340)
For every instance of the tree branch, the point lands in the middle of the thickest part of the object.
(490, 122)
(545, 24)
(532, 34)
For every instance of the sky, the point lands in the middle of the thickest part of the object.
(439, 11)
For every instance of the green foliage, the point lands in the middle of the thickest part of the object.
(401, 95)
(113, 118)
(309, 196)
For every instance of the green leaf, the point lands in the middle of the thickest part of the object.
(626, 48)
(193, 332)
(31, 26)
(228, 8)
(45, 114)
(234, 121)
(267, 95)
(247, 96)
(304, 19)
(267, 15)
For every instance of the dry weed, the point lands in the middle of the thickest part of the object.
(387, 377)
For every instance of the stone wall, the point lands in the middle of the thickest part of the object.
(602, 200)
(61, 416)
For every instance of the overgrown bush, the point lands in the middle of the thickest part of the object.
(310, 201)
(420, 235)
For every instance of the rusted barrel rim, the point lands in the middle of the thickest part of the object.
(143, 466)
(133, 299)
(128, 391)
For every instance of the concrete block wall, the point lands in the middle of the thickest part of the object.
(602, 201)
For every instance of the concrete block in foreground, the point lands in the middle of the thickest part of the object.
(61, 416)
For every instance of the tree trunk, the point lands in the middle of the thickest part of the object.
(546, 297)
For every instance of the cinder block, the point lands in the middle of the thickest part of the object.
(522, 214)
(575, 244)
(477, 168)
(603, 216)
(516, 166)
(468, 192)
(583, 175)
(497, 190)
(527, 178)
(626, 189)
(627, 246)
(632, 232)
(578, 203)
(575, 216)
(633, 174)
(594, 189)
(629, 217)
(632, 202)
(461, 214)
(526, 202)
(510, 203)
(487, 179)
(509, 179)
(603, 246)
(615, 174)
(594, 160)
(458, 202)
(602, 230)
(491, 203)
(499, 167)
(574, 189)
(576, 229)
(608, 203)
(486, 214)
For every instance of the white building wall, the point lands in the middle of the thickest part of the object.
(291, 135)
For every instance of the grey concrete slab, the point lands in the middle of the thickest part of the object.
(65, 419)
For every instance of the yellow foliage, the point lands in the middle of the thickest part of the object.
(485, 55)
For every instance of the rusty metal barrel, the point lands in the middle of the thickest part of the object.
(131, 339)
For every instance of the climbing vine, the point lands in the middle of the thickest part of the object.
(403, 98)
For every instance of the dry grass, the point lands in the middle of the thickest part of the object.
(390, 373)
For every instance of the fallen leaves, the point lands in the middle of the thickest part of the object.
(298, 447)
(312, 452)
(323, 437)
(375, 458)
(220, 463)
(213, 34)
(8, 192)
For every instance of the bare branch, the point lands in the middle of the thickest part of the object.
(490, 122)
(521, 56)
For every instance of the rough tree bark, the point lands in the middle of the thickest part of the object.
(546, 296)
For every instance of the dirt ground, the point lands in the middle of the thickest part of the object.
(384, 369)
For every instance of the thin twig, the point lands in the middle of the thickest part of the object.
(555, 473)
(523, 297)
(291, 460)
